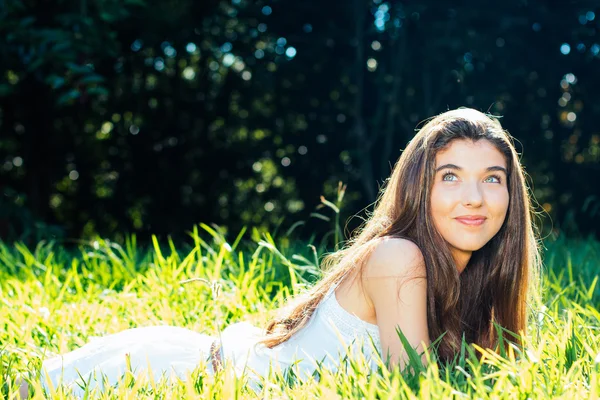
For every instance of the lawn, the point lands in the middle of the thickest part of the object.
(53, 299)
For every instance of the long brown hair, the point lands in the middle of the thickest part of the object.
(499, 279)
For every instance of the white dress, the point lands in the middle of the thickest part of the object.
(330, 334)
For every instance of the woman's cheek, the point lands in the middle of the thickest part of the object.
(449, 197)
(439, 201)
(501, 199)
(497, 202)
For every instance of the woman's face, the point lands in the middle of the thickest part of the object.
(469, 198)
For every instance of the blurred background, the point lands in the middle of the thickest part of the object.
(147, 116)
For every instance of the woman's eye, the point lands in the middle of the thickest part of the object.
(493, 179)
(449, 177)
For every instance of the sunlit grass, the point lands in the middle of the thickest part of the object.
(53, 300)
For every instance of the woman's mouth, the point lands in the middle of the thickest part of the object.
(471, 220)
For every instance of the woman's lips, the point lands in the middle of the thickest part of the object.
(471, 221)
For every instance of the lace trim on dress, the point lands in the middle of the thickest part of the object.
(348, 324)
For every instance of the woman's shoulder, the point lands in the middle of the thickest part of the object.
(395, 257)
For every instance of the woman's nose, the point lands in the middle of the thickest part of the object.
(472, 194)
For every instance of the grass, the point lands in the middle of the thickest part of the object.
(53, 300)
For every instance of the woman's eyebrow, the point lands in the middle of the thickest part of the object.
(488, 169)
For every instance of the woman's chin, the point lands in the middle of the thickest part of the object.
(469, 247)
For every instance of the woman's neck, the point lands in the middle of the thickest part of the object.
(461, 259)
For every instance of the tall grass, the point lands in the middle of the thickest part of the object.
(53, 300)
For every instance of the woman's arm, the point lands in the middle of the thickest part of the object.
(395, 282)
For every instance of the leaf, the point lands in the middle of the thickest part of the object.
(98, 91)
(78, 69)
(414, 359)
(107, 17)
(27, 21)
(37, 63)
(52, 35)
(320, 216)
(68, 97)
(55, 81)
(5, 89)
(238, 238)
(61, 46)
(330, 205)
(294, 226)
(157, 250)
(92, 78)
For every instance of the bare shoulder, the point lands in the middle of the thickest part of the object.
(395, 282)
(395, 257)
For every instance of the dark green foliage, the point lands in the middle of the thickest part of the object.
(149, 116)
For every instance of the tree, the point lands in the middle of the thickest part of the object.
(151, 116)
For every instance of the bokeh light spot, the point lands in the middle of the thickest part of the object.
(590, 15)
(266, 10)
(290, 52)
(189, 73)
(106, 127)
(191, 47)
(372, 64)
(228, 60)
(226, 47)
(137, 45)
(170, 51)
(134, 129)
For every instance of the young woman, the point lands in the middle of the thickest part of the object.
(449, 250)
